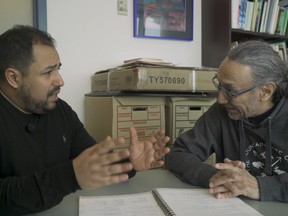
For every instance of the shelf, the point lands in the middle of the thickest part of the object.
(154, 94)
(218, 36)
(239, 35)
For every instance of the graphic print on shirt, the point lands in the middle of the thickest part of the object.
(256, 157)
(64, 138)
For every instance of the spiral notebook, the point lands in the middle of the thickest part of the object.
(164, 201)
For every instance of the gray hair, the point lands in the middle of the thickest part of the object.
(265, 62)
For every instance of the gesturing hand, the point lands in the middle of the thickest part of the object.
(96, 166)
(233, 179)
(149, 153)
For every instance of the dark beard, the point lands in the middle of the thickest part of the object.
(33, 106)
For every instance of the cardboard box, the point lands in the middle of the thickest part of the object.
(111, 115)
(182, 114)
(149, 78)
(99, 81)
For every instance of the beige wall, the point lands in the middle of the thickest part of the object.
(15, 12)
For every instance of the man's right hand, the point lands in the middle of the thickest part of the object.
(232, 180)
(97, 166)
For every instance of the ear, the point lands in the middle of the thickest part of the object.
(267, 91)
(13, 77)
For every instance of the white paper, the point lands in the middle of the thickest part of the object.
(182, 201)
(201, 202)
(140, 204)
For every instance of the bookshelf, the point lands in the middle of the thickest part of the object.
(218, 35)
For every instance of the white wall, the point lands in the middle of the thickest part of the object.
(91, 36)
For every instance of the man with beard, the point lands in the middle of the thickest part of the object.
(247, 129)
(45, 152)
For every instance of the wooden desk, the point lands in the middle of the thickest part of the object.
(145, 181)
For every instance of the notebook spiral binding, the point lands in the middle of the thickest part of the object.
(163, 205)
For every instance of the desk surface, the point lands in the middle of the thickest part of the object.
(146, 181)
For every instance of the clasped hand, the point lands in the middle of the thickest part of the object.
(233, 179)
(99, 165)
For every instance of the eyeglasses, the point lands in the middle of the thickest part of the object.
(230, 95)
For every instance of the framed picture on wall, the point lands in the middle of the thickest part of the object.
(163, 19)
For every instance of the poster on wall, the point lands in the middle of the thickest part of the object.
(163, 19)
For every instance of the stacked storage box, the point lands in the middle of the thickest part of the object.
(148, 97)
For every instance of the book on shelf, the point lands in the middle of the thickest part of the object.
(242, 15)
(281, 48)
(284, 31)
(249, 14)
(265, 16)
(255, 14)
(235, 13)
(280, 21)
(271, 14)
(275, 20)
(283, 3)
(259, 15)
(164, 201)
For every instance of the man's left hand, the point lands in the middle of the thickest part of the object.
(148, 153)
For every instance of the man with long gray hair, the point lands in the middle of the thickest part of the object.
(247, 129)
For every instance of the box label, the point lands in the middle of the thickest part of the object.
(186, 117)
(146, 119)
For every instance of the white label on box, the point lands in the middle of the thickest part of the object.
(186, 117)
(146, 119)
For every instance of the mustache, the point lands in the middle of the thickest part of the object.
(227, 106)
(53, 91)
